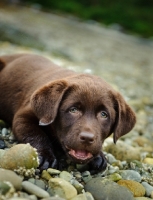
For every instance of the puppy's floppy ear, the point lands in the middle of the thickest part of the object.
(125, 118)
(45, 101)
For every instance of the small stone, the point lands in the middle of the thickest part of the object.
(22, 194)
(19, 198)
(33, 189)
(122, 151)
(136, 188)
(53, 171)
(33, 197)
(66, 176)
(86, 176)
(40, 184)
(32, 180)
(78, 186)
(113, 169)
(2, 144)
(141, 198)
(53, 198)
(1, 153)
(151, 195)
(130, 175)
(118, 163)
(148, 188)
(142, 141)
(4, 132)
(110, 158)
(86, 173)
(12, 177)
(80, 197)
(114, 177)
(26, 157)
(12, 138)
(62, 188)
(45, 175)
(103, 189)
(148, 161)
(89, 196)
(4, 188)
(77, 175)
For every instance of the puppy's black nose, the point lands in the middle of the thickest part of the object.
(87, 137)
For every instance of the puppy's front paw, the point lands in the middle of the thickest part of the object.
(47, 161)
(98, 164)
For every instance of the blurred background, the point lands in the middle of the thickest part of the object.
(133, 16)
(112, 39)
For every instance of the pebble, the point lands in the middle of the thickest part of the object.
(113, 169)
(45, 175)
(38, 182)
(77, 175)
(142, 141)
(141, 198)
(53, 171)
(103, 189)
(148, 188)
(148, 161)
(78, 186)
(2, 144)
(33, 189)
(111, 159)
(89, 196)
(12, 177)
(136, 188)
(53, 198)
(4, 188)
(62, 188)
(66, 176)
(26, 160)
(84, 196)
(4, 132)
(18, 198)
(114, 177)
(12, 138)
(130, 175)
(80, 197)
(86, 176)
(122, 151)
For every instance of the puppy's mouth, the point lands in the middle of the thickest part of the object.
(80, 156)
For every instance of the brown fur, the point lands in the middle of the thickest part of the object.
(57, 110)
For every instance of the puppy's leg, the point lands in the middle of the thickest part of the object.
(27, 130)
(98, 164)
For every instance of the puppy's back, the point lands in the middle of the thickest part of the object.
(5, 60)
(20, 76)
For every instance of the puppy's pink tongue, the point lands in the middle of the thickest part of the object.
(80, 154)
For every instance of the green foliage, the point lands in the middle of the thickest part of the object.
(133, 15)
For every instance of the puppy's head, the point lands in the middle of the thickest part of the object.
(83, 110)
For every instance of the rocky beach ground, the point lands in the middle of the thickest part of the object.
(124, 61)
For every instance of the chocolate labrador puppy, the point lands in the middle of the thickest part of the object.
(60, 111)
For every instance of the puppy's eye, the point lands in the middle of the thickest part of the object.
(73, 110)
(104, 114)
